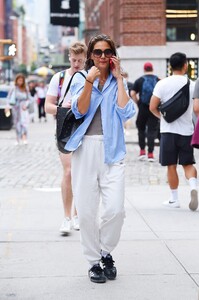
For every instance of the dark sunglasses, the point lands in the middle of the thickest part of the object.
(107, 52)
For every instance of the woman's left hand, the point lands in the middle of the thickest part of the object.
(67, 104)
(116, 71)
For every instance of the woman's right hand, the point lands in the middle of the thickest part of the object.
(93, 74)
(7, 112)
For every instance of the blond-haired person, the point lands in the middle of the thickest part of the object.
(77, 58)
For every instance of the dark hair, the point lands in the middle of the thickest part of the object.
(100, 37)
(177, 61)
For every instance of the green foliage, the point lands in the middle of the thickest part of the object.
(22, 69)
(33, 66)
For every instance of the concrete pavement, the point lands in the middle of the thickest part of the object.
(158, 254)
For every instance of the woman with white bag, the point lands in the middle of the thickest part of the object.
(19, 100)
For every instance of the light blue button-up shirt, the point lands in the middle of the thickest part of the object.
(112, 116)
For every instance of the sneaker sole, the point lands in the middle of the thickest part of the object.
(151, 159)
(98, 281)
(65, 232)
(110, 277)
(142, 158)
(171, 205)
(193, 205)
(75, 228)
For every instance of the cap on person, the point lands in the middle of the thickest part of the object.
(148, 66)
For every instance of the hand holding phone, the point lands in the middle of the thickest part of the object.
(112, 66)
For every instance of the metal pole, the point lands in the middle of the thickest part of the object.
(9, 69)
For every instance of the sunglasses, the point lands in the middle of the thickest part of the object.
(98, 53)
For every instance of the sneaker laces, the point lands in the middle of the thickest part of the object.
(66, 221)
(108, 261)
(97, 269)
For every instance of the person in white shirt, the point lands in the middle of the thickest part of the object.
(175, 141)
(77, 58)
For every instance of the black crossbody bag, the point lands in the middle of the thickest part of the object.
(67, 124)
(177, 105)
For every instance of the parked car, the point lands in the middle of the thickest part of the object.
(5, 118)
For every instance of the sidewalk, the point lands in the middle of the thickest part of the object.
(158, 254)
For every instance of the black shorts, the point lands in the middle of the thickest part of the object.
(176, 149)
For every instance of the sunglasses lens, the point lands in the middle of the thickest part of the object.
(108, 53)
(97, 52)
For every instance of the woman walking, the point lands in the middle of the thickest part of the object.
(20, 102)
(98, 157)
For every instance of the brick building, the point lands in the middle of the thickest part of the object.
(13, 29)
(147, 30)
(2, 18)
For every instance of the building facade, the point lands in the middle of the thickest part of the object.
(146, 30)
(2, 19)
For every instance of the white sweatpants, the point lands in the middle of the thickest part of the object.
(92, 179)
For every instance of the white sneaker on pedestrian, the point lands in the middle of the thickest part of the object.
(17, 143)
(142, 157)
(65, 226)
(75, 223)
(172, 204)
(193, 205)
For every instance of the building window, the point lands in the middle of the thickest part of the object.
(192, 68)
(182, 20)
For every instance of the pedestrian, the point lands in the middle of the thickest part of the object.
(129, 83)
(19, 99)
(147, 123)
(128, 123)
(196, 98)
(99, 150)
(176, 136)
(33, 99)
(41, 97)
(77, 58)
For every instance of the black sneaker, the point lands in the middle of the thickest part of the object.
(110, 270)
(96, 274)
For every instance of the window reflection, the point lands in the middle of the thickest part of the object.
(192, 68)
(182, 20)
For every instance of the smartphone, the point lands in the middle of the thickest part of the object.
(111, 64)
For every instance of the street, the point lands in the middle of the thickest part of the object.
(158, 254)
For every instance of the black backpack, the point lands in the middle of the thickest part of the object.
(147, 88)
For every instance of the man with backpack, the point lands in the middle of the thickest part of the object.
(175, 142)
(55, 94)
(147, 124)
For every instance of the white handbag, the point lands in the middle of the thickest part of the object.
(12, 98)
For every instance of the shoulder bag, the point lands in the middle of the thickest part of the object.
(12, 97)
(67, 124)
(195, 136)
(176, 106)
